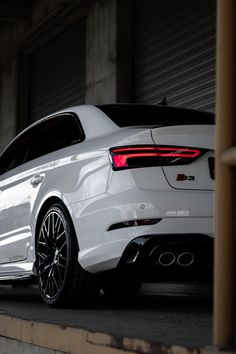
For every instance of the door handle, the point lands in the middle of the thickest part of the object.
(36, 179)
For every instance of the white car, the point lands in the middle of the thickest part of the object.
(108, 197)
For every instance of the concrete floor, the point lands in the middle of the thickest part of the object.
(167, 314)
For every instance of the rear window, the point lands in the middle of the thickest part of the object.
(147, 115)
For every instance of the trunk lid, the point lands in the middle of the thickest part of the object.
(198, 174)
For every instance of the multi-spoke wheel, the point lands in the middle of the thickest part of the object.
(62, 281)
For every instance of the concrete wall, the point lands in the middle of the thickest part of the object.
(19, 39)
(42, 8)
(101, 65)
(8, 104)
(11, 38)
(8, 80)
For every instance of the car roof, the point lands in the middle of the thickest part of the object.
(95, 122)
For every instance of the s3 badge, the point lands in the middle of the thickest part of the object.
(183, 177)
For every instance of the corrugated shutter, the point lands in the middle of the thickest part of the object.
(174, 52)
(58, 73)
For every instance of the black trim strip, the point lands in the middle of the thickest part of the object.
(130, 223)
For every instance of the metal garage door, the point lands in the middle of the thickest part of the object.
(174, 52)
(58, 73)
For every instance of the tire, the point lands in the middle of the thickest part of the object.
(62, 281)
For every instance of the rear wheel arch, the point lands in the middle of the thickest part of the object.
(62, 281)
(43, 210)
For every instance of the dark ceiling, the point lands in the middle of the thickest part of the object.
(14, 10)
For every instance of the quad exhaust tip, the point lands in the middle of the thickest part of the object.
(184, 259)
(166, 259)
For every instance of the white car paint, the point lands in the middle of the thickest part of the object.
(98, 197)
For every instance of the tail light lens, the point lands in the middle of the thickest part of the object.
(149, 155)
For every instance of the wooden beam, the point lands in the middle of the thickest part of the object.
(225, 242)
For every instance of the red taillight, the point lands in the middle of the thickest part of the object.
(147, 156)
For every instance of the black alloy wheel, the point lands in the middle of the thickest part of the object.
(62, 281)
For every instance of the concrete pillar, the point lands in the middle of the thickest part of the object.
(7, 104)
(12, 36)
(101, 53)
(125, 45)
(7, 86)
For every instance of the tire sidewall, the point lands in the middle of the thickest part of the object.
(71, 253)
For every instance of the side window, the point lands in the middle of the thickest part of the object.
(15, 154)
(54, 134)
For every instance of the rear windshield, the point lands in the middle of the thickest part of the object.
(142, 115)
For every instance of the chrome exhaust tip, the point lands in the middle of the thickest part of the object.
(185, 259)
(166, 259)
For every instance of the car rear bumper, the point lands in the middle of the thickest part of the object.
(105, 225)
(112, 252)
(172, 258)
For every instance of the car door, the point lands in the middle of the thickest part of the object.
(15, 202)
(1, 188)
(24, 168)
